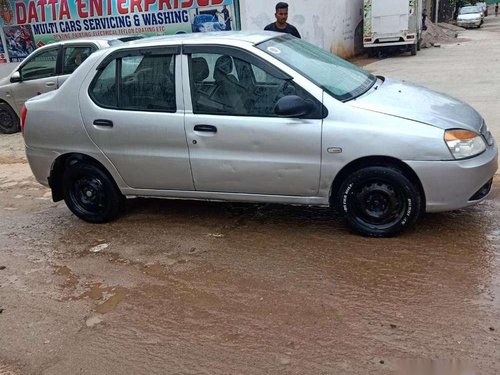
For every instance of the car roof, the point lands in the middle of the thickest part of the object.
(218, 37)
(101, 40)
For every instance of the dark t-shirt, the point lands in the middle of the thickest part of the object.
(289, 29)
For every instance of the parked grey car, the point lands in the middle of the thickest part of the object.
(45, 70)
(255, 117)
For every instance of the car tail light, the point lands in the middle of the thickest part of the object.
(24, 112)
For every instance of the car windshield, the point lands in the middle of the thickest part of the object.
(336, 76)
(470, 10)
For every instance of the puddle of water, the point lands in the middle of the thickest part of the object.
(71, 281)
(109, 297)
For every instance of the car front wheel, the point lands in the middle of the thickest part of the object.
(90, 193)
(379, 201)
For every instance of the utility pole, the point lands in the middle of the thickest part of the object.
(437, 12)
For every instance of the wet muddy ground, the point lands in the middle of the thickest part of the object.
(178, 287)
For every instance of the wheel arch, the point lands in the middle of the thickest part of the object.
(375, 161)
(62, 162)
(2, 100)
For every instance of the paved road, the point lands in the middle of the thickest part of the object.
(178, 287)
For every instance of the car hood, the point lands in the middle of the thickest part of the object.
(470, 16)
(413, 102)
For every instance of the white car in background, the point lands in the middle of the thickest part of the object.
(470, 16)
(45, 70)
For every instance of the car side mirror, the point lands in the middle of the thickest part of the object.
(293, 106)
(15, 77)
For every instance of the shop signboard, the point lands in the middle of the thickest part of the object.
(28, 24)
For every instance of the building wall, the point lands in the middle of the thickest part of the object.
(335, 25)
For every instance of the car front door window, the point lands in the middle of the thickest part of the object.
(42, 65)
(222, 84)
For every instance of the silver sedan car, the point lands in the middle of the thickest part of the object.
(255, 117)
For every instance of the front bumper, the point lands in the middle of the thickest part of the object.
(469, 23)
(450, 185)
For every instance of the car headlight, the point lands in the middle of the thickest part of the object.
(464, 143)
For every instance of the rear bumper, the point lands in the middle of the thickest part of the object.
(41, 162)
(387, 44)
(450, 185)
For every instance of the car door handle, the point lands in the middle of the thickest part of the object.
(205, 128)
(50, 84)
(101, 122)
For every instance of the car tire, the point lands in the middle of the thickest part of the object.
(90, 193)
(9, 121)
(413, 49)
(379, 201)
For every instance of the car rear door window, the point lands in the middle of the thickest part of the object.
(74, 56)
(103, 91)
(42, 65)
(142, 82)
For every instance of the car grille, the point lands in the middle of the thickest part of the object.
(486, 134)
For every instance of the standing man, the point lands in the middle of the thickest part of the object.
(281, 26)
(227, 17)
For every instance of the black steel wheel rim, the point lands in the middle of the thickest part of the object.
(89, 195)
(379, 203)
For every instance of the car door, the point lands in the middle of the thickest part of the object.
(236, 142)
(133, 111)
(38, 75)
(72, 56)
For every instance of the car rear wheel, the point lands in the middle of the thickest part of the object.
(90, 193)
(9, 122)
(379, 201)
(413, 49)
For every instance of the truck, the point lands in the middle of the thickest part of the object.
(392, 24)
